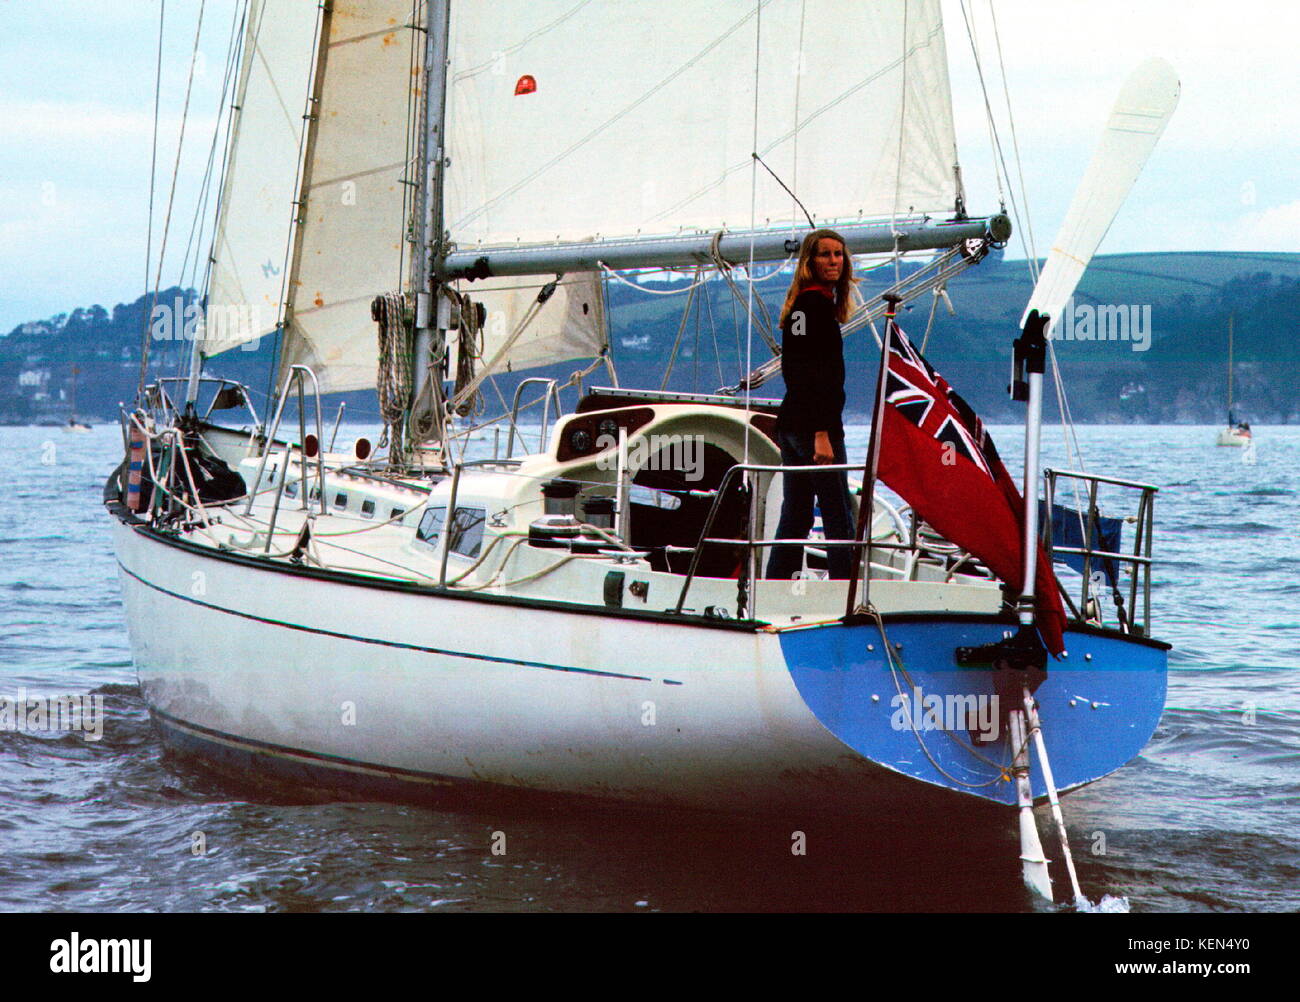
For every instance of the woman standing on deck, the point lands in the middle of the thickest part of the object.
(809, 426)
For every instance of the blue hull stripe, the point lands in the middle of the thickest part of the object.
(388, 643)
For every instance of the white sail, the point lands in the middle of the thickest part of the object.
(569, 122)
(352, 243)
(637, 123)
(1137, 120)
(570, 324)
(246, 290)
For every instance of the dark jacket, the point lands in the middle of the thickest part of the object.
(812, 364)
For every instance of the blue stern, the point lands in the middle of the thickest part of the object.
(1099, 705)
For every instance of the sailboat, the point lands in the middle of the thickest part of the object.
(1237, 432)
(588, 618)
(74, 425)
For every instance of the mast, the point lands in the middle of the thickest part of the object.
(1230, 318)
(430, 321)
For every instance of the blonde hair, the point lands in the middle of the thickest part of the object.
(804, 276)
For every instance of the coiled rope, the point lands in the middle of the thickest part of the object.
(393, 380)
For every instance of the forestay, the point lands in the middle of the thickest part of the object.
(246, 289)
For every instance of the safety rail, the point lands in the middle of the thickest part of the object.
(222, 383)
(295, 378)
(746, 605)
(1138, 563)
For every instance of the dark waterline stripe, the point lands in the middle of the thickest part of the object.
(253, 745)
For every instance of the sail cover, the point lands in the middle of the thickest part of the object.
(589, 120)
(250, 251)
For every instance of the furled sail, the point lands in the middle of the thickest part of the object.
(246, 289)
(606, 120)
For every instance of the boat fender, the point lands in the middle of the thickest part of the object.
(134, 496)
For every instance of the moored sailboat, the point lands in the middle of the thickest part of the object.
(589, 618)
(74, 424)
(1237, 432)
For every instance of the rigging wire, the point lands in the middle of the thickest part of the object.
(1069, 432)
(753, 213)
(677, 341)
(1015, 145)
(176, 169)
(794, 153)
(153, 173)
(898, 166)
(194, 242)
(199, 223)
(233, 81)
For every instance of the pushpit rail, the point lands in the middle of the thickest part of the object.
(1138, 562)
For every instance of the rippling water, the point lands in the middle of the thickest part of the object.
(1208, 818)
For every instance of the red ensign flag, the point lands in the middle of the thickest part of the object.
(935, 453)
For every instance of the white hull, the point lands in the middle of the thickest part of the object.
(1234, 436)
(453, 689)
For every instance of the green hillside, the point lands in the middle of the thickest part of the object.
(1177, 372)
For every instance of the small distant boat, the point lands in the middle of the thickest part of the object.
(1237, 432)
(73, 424)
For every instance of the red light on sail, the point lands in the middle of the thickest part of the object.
(525, 84)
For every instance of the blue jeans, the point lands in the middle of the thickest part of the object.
(831, 491)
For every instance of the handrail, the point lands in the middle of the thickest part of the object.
(1139, 562)
(293, 379)
(1080, 475)
(720, 492)
(550, 393)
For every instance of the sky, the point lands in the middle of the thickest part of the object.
(76, 114)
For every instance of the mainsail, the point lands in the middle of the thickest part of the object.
(607, 120)
(580, 124)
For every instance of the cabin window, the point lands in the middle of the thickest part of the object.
(395, 514)
(291, 490)
(430, 527)
(368, 508)
(466, 533)
(340, 500)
